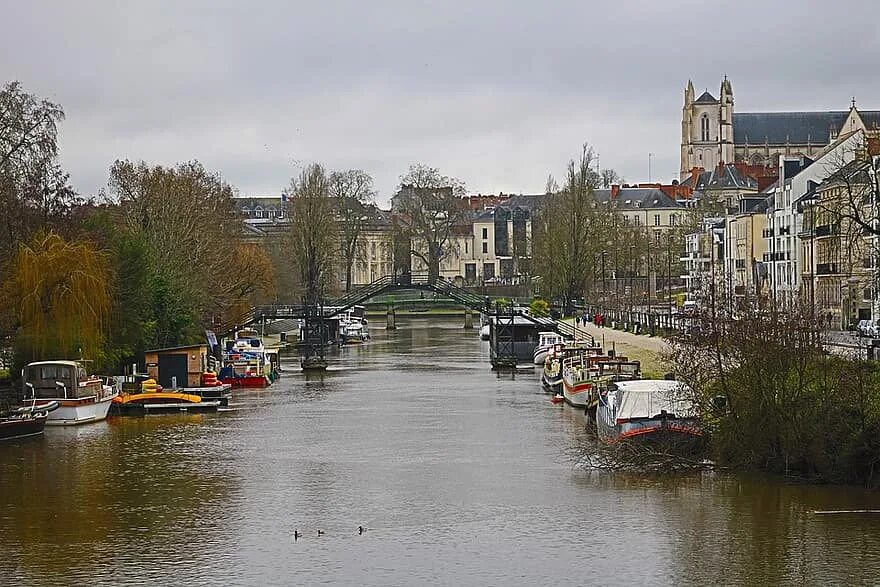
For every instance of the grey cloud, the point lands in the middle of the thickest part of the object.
(497, 93)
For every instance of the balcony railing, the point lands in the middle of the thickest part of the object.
(827, 229)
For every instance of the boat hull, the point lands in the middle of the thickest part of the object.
(72, 412)
(552, 383)
(576, 394)
(12, 428)
(249, 381)
(541, 356)
(673, 433)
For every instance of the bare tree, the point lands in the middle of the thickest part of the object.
(567, 231)
(189, 222)
(428, 206)
(353, 193)
(28, 129)
(610, 177)
(313, 231)
(551, 187)
(34, 192)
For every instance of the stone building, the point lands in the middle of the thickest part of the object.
(840, 265)
(712, 133)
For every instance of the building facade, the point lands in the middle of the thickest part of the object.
(712, 133)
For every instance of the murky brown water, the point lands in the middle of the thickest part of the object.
(462, 477)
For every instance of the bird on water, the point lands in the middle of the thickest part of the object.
(361, 529)
(320, 532)
(296, 535)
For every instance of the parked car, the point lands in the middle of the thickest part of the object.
(868, 328)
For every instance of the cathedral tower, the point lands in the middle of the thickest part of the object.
(706, 129)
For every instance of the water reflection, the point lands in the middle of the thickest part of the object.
(462, 475)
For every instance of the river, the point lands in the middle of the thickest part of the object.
(461, 477)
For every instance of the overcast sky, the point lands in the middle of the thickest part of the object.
(498, 94)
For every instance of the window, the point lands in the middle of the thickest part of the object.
(637, 221)
(485, 233)
(258, 212)
(485, 246)
(673, 218)
(656, 220)
(465, 247)
(704, 127)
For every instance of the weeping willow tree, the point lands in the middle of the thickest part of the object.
(60, 296)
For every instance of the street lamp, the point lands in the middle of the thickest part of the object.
(604, 254)
(632, 253)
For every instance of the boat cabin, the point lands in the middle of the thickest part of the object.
(177, 367)
(247, 340)
(548, 339)
(59, 380)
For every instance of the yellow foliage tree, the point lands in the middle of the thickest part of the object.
(60, 297)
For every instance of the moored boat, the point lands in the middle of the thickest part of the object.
(546, 342)
(245, 362)
(81, 397)
(140, 396)
(577, 382)
(648, 410)
(25, 421)
(607, 370)
(353, 330)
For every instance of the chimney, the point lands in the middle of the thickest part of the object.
(695, 175)
(615, 190)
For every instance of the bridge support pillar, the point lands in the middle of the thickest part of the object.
(390, 323)
(468, 319)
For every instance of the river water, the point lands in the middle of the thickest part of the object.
(461, 477)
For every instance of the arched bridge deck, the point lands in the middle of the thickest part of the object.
(382, 286)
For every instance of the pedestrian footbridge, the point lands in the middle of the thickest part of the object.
(384, 285)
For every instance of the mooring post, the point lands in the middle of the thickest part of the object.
(468, 319)
(389, 319)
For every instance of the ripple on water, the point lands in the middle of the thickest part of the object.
(461, 476)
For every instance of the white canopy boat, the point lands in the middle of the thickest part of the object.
(648, 410)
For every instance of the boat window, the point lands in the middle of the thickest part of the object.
(255, 343)
(44, 378)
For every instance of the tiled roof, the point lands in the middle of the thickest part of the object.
(527, 202)
(797, 128)
(706, 98)
(638, 198)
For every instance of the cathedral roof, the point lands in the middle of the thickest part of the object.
(706, 98)
(797, 128)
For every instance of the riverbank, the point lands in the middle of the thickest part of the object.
(453, 470)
